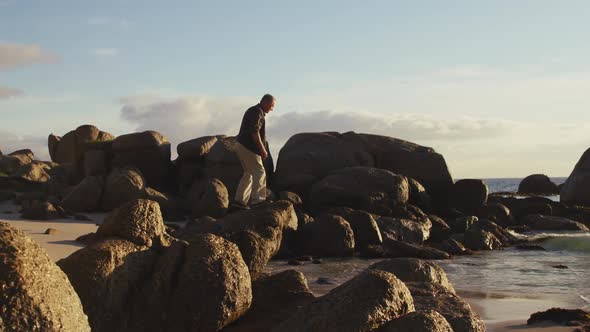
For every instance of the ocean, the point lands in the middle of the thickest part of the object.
(506, 284)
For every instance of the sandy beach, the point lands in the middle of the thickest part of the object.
(58, 245)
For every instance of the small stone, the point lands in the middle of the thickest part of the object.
(560, 266)
(51, 231)
(530, 247)
(295, 262)
(326, 281)
(81, 217)
(306, 258)
(317, 261)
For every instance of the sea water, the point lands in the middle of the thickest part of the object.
(506, 284)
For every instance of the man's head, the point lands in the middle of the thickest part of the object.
(267, 103)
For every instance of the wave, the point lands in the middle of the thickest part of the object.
(570, 241)
(587, 300)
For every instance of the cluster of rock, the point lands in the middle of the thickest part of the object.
(332, 195)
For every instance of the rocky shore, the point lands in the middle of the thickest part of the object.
(168, 256)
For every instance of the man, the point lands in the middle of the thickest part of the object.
(250, 149)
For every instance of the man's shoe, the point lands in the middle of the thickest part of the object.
(235, 206)
(258, 204)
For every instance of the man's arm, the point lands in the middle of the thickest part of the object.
(260, 145)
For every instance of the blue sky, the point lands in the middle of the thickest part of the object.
(498, 87)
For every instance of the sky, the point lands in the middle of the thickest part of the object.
(499, 88)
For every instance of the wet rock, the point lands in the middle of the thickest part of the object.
(440, 229)
(329, 235)
(531, 247)
(139, 221)
(479, 239)
(542, 222)
(394, 248)
(561, 316)
(457, 312)
(404, 229)
(415, 270)
(538, 184)
(469, 195)
(463, 223)
(427, 321)
(36, 295)
(452, 247)
(364, 303)
(560, 266)
(365, 228)
(497, 213)
(418, 195)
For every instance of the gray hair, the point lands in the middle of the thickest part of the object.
(267, 98)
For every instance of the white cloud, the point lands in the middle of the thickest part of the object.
(104, 20)
(105, 52)
(6, 93)
(473, 147)
(10, 142)
(15, 55)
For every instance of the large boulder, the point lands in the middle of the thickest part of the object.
(148, 151)
(329, 235)
(431, 290)
(576, 189)
(195, 149)
(86, 196)
(364, 303)
(71, 147)
(41, 211)
(121, 186)
(404, 229)
(309, 157)
(469, 195)
(106, 275)
(415, 270)
(371, 189)
(427, 321)
(539, 184)
(551, 223)
(395, 248)
(258, 232)
(13, 161)
(365, 228)
(208, 198)
(139, 221)
(36, 295)
(429, 296)
(275, 298)
(214, 286)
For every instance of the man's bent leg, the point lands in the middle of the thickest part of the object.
(244, 190)
(258, 183)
